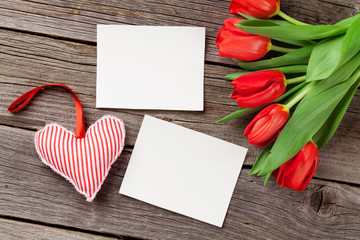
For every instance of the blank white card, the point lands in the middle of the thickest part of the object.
(183, 171)
(150, 67)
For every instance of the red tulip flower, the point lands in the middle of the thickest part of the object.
(299, 170)
(267, 124)
(257, 88)
(256, 8)
(234, 43)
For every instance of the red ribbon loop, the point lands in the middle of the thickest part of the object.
(23, 100)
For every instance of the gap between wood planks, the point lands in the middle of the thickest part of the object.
(72, 229)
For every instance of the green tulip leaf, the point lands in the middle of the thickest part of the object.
(351, 43)
(330, 54)
(240, 113)
(296, 32)
(325, 133)
(305, 123)
(285, 70)
(339, 76)
(324, 58)
(275, 22)
(296, 42)
(267, 177)
(258, 165)
(297, 57)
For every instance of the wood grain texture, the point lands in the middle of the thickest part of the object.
(15, 230)
(77, 20)
(45, 60)
(30, 190)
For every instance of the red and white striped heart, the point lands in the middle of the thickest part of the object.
(85, 162)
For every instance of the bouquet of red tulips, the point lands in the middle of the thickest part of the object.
(302, 95)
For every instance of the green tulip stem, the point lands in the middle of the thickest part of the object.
(290, 19)
(282, 49)
(293, 101)
(296, 80)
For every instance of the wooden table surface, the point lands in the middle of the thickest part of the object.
(46, 41)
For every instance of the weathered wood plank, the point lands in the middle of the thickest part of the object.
(30, 190)
(43, 60)
(15, 230)
(77, 19)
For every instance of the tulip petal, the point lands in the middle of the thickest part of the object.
(229, 24)
(257, 81)
(267, 95)
(234, 95)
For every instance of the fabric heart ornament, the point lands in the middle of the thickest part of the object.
(84, 159)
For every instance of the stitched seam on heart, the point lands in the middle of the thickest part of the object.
(89, 199)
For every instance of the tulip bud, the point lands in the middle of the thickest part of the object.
(267, 125)
(257, 88)
(258, 8)
(234, 43)
(299, 170)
